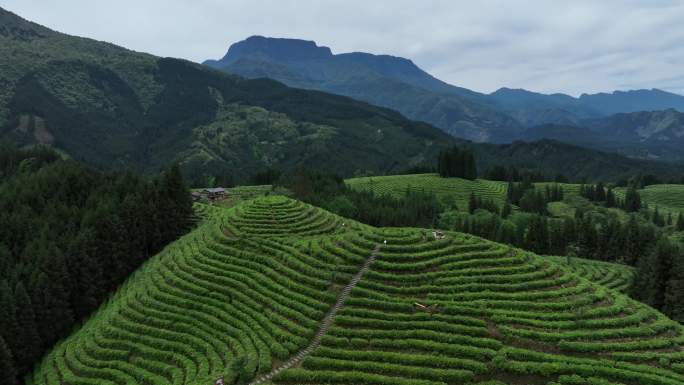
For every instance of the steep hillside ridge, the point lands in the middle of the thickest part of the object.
(383, 80)
(655, 134)
(532, 108)
(643, 134)
(116, 108)
(633, 101)
(552, 157)
(399, 84)
(240, 295)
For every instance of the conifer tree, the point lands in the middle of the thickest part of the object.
(8, 371)
(653, 274)
(674, 289)
(632, 200)
(587, 237)
(472, 203)
(657, 218)
(7, 313)
(506, 210)
(29, 347)
(600, 194)
(680, 222)
(610, 198)
(537, 236)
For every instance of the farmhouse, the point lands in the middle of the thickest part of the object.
(215, 193)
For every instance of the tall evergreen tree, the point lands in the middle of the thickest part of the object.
(29, 347)
(633, 246)
(507, 209)
(600, 194)
(674, 289)
(537, 236)
(8, 322)
(587, 237)
(632, 200)
(653, 273)
(472, 203)
(680, 222)
(610, 198)
(8, 371)
(56, 317)
(658, 218)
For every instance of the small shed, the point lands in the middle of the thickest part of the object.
(215, 193)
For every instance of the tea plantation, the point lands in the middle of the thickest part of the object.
(460, 189)
(275, 291)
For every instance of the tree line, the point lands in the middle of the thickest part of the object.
(69, 236)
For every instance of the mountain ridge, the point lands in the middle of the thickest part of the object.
(501, 116)
(113, 107)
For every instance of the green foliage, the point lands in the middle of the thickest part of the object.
(458, 163)
(70, 235)
(7, 365)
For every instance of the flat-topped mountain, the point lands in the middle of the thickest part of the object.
(383, 80)
(398, 83)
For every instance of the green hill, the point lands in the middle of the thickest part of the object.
(458, 188)
(276, 291)
(669, 198)
(117, 108)
(611, 275)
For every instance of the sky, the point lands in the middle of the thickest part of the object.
(574, 47)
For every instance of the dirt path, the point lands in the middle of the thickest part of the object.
(325, 325)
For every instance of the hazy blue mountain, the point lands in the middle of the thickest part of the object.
(399, 84)
(383, 80)
(532, 108)
(643, 134)
(648, 134)
(633, 101)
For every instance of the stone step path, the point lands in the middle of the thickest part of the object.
(325, 325)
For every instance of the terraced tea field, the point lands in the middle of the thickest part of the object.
(667, 197)
(458, 188)
(273, 291)
(611, 275)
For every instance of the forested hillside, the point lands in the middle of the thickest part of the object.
(69, 236)
(116, 108)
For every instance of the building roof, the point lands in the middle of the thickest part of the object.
(215, 190)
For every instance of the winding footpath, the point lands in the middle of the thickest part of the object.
(325, 325)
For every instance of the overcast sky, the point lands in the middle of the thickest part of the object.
(546, 45)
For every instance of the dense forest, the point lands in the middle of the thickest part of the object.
(69, 236)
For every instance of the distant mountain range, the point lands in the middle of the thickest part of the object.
(645, 134)
(502, 116)
(115, 108)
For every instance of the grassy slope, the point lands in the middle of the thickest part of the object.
(669, 198)
(459, 188)
(252, 283)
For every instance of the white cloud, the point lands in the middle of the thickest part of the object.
(548, 46)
